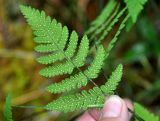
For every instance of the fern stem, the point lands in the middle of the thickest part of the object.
(32, 107)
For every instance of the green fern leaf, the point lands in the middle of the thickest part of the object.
(87, 99)
(135, 7)
(113, 81)
(48, 34)
(79, 80)
(7, 109)
(144, 113)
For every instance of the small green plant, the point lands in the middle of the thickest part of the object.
(7, 109)
(61, 54)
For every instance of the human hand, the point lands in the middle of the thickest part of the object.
(115, 109)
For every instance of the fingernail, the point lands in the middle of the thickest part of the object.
(112, 107)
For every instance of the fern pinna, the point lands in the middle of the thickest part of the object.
(61, 56)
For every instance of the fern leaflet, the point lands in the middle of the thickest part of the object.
(113, 81)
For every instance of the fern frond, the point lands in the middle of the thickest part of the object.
(144, 113)
(106, 12)
(48, 34)
(7, 109)
(80, 79)
(97, 63)
(86, 99)
(135, 7)
(113, 81)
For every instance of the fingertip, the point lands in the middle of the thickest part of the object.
(112, 106)
(115, 109)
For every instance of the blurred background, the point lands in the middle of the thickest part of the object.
(138, 48)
